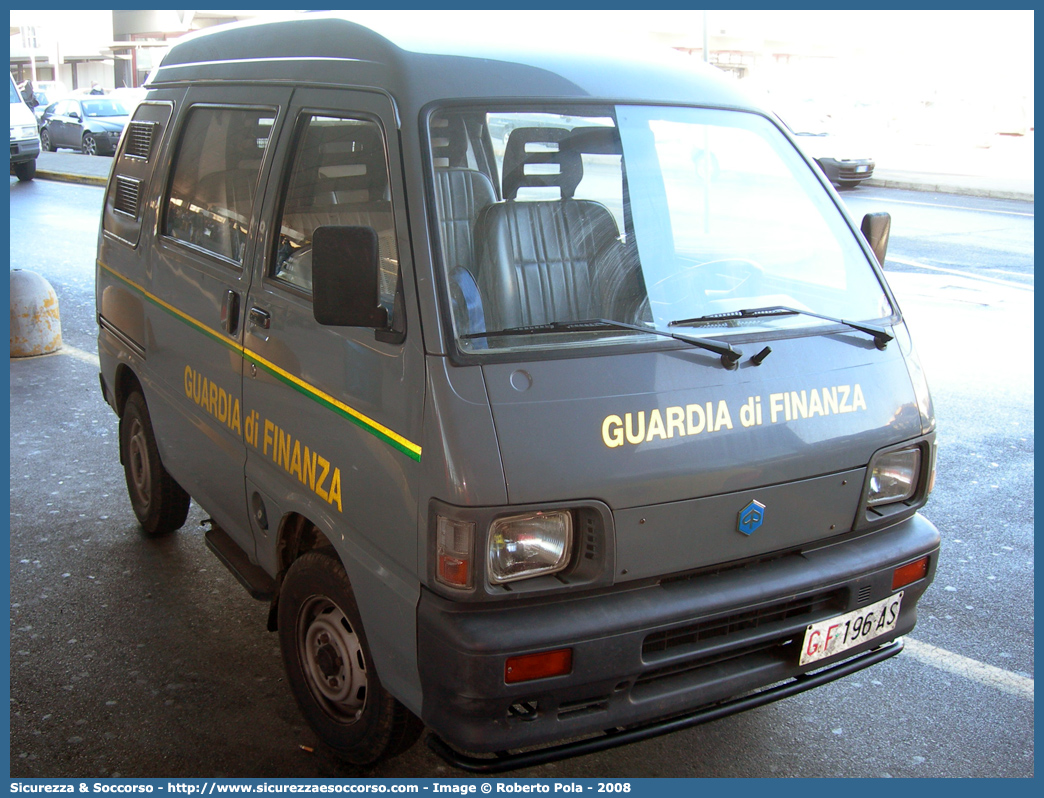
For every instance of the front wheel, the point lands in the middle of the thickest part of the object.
(90, 144)
(330, 668)
(25, 171)
(160, 503)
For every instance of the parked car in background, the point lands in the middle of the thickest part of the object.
(829, 152)
(819, 137)
(25, 144)
(91, 124)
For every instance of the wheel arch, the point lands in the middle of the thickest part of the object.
(125, 383)
(297, 535)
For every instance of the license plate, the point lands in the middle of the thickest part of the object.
(838, 634)
(861, 168)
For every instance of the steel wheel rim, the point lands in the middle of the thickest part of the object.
(332, 659)
(138, 461)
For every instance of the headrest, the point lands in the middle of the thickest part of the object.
(548, 149)
(350, 164)
(449, 141)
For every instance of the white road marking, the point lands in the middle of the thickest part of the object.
(958, 272)
(70, 351)
(998, 678)
(79, 354)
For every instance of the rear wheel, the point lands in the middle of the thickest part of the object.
(90, 144)
(329, 666)
(160, 503)
(45, 140)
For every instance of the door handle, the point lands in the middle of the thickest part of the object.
(260, 318)
(230, 312)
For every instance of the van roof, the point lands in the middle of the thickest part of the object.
(417, 68)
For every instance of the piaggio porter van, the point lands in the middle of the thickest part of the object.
(552, 401)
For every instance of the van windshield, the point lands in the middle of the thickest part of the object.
(638, 215)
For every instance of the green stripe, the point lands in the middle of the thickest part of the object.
(324, 403)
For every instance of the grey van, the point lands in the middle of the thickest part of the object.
(551, 402)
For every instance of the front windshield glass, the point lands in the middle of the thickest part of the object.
(96, 108)
(643, 216)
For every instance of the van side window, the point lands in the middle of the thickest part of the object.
(339, 177)
(215, 179)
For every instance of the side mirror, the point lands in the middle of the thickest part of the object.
(74, 115)
(345, 273)
(876, 227)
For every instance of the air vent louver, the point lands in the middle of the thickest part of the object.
(139, 139)
(128, 195)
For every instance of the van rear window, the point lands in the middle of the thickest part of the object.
(215, 176)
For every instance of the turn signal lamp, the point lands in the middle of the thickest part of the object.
(528, 667)
(909, 573)
(453, 541)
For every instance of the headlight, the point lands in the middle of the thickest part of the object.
(27, 132)
(533, 544)
(894, 477)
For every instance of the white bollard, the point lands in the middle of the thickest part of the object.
(35, 326)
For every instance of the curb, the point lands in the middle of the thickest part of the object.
(65, 177)
(945, 188)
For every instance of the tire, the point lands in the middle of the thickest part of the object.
(848, 185)
(160, 503)
(329, 666)
(25, 171)
(90, 145)
(45, 140)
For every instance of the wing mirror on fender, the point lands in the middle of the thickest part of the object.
(345, 274)
(876, 227)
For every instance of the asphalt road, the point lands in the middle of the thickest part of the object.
(142, 658)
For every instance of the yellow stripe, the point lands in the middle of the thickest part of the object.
(251, 354)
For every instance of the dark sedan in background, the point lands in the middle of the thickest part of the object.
(91, 124)
(828, 151)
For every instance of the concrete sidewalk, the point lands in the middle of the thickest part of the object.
(72, 167)
(994, 187)
(94, 170)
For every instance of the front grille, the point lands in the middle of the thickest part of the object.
(685, 636)
(849, 173)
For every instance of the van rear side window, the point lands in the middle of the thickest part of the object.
(215, 179)
(340, 177)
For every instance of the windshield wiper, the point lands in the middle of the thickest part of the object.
(880, 335)
(729, 355)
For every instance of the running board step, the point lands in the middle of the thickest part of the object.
(253, 577)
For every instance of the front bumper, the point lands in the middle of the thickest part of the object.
(23, 150)
(645, 654)
(846, 171)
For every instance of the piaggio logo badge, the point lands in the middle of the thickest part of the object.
(751, 517)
